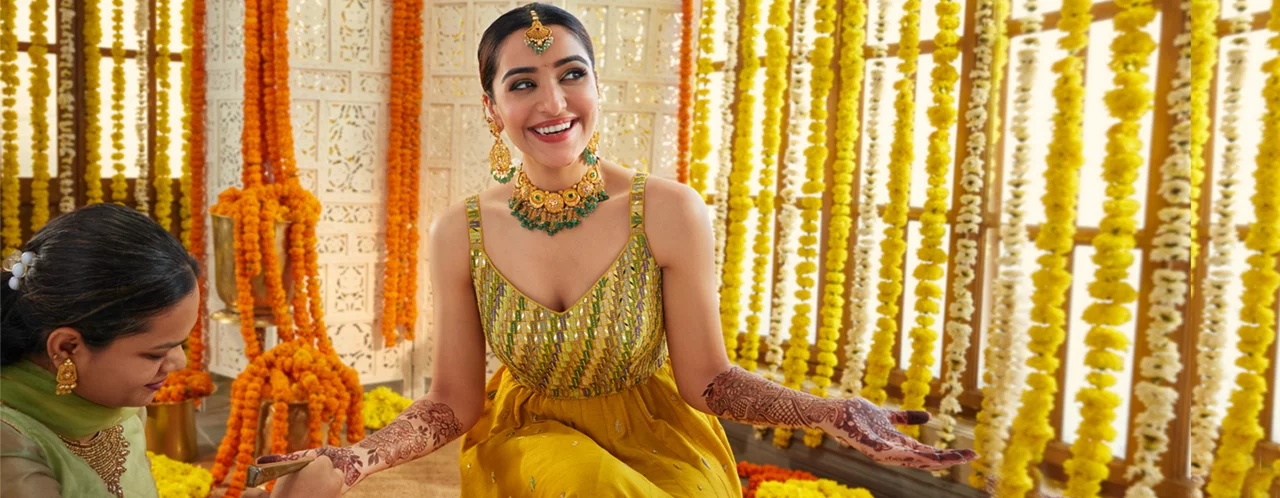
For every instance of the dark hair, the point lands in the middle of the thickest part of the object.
(103, 270)
(519, 19)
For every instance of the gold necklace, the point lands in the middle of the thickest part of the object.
(106, 454)
(552, 212)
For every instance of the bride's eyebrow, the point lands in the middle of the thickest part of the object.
(530, 69)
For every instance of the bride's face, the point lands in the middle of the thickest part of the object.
(548, 103)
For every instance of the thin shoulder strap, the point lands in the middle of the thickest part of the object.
(473, 223)
(638, 183)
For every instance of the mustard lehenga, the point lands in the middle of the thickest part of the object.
(585, 403)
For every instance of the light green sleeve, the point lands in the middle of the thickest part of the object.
(24, 471)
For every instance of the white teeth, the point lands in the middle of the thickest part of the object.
(554, 129)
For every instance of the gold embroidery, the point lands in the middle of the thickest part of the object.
(106, 454)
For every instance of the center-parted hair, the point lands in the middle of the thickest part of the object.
(518, 20)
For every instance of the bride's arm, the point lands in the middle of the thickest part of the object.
(680, 235)
(456, 398)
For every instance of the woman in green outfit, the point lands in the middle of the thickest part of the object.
(94, 312)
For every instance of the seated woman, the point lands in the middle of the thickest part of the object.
(104, 297)
(594, 285)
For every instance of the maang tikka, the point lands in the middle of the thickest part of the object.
(538, 37)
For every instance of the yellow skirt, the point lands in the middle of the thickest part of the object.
(644, 442)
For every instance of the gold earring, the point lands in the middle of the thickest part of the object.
(67, 377)
(592, 153)
(499, 155)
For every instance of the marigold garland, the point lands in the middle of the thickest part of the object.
(303, 368)
(684, 115)
(1031, 429)
(176, 479)
(821, 488)
(1211, 342)
(39, 92)
(92, 26)
(880, 360)
(412, 153)
(1241, 429)
(759, 474)
(1005, 346)
(721, 193)
(796, 358)
(12, 232)
(119, 185)
(1128, 102)
(141, 115)
(1204, 48)
(775, 85)
(395, 223)
(853, 23)
(985, 83)
(701, 146)
(1173, 243)
(739, 195)
(163, 180)
(868, 220)
(942, 115)
(66, 105)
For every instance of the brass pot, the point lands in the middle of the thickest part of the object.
(297, 435)
(224, 255)
(171, 430)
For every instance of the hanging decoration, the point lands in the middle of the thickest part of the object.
(684, 115)
(933, 221)
(141, 119)
(163, 181)
(1212, 339)
(701, 146)
(1173, 239)
(775, 85)
(66, 106)
(92, 28)
(1031, 428)
(984, 97)
(796, 359)
(853, 35)
(119, 184)
(721, 194)
(39, 93)
(880, 359)
(1241, 429)
(12, 233)
(1005, 345)
(303, 367)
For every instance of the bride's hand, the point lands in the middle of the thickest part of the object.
(870, 430)
(346, 460)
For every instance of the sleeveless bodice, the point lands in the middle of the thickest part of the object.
(608, 341)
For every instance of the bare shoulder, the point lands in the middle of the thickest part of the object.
(676, 220)
(449, 240)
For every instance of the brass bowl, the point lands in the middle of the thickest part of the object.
(224, 256)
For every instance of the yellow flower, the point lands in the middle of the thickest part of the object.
(119, 185)
(175, 479)
(9, 75)
(701, 147)
(39, 115)
(162, 181)
(92, 103)
(382, 405)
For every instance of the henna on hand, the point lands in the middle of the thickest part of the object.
(741, 396)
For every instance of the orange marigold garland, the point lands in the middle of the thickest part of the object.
(685, 115)
(395, 226)
(303, 368)
(408, 315)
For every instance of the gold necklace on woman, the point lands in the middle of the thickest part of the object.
(552, 212)
(106, 454)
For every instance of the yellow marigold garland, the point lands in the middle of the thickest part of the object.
(739, 176)
(162, 176)
(701, 147)
(9, 76)
(720, 197)
(942, 115)
(1128, 102)
(1031, 429)
(880, 360)
(801, 488)
(853, 34)
(119, 185)
(1241, 430)
(796, 359)
(775, 87)
(92, 102)
(1204, 48)
(39, 115)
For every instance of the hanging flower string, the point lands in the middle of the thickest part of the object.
(66, 105)
(1031, 428)
(12, 233)
(141, 119)
(163, 181)
(684, 115)
(92, 27)
(853, 34)
(701, 146)
(119, 184)
(1241, 429)
(796, 358)
(721, 193)
(880, 361)
(1005, 348)
(39, 93)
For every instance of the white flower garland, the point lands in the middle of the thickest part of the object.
(1172, 244)
(66, 105)
(1205, 412)
(721, 193)
(960, 311)
(142, 24)
(1006, 348)
(855, 349)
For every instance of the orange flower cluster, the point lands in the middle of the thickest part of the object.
(400, 279)
(757, 474)
(190, 383)
(303, 368)
(293, 372)
(684, 116)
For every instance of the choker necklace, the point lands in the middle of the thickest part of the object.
(552, 212)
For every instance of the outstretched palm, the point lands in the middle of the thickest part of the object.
(870, 429)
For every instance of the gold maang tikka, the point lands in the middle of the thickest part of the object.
(538, 37)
